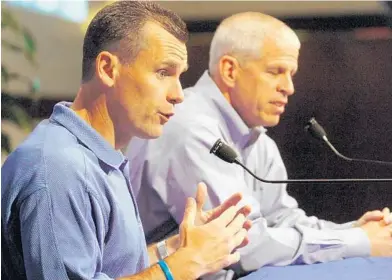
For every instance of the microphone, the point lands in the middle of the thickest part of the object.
(316, 130)
(226, 153)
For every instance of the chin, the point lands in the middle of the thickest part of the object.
(151, 132)
(270, 122)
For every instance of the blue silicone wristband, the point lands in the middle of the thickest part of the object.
(166, 270)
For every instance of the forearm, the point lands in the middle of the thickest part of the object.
(285, 246)
(293, 216)
(172, 244)
(154, 272)
(332, 225)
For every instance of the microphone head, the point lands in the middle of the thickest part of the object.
(223, 151)
(315, 129)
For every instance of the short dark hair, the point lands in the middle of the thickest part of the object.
(125, 19)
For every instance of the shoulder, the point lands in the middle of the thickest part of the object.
(48, 155)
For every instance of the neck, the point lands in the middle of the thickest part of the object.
(91, 105)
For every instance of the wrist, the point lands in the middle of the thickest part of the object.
(357, 243)
(184, 266)
(162, 251)
(172, 244)
(165, 270)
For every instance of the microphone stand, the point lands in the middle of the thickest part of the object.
(226, 153)
(317, 131)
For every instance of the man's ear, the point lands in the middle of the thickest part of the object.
(106, 67)
(228, 70)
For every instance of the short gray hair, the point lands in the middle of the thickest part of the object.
(242, 36)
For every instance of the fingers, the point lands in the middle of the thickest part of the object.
(375, 215)
(238, 231)
(235, 219)
(240, 221)
(245, 229)
(226, 217)
(215, 213)
(387, 216)
(234, 258)
(190, 212)
(388, 220)
(248, 224)
(201, 195)
(231, 201)
(226, 261)
(244, 242)
(231, 259)
(237, 224)
(245, 210)
(240, 239)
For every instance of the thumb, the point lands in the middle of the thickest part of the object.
(387, 215)
(190, 212)
(201, 195)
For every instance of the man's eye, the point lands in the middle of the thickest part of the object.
(277, 71)
(162, 73)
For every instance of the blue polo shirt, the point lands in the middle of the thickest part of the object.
(67, 207)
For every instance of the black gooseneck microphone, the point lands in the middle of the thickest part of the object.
(317, 131)
(226, 153)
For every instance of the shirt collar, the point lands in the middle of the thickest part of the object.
(65, 116)
(240, 133)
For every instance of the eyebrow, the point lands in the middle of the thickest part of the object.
(175, 64)
(278, 65)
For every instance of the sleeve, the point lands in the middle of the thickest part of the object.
(60, 229)
(280, 235)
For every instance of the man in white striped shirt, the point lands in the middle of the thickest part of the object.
(253, 58)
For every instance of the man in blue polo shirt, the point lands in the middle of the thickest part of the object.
(68, 210)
